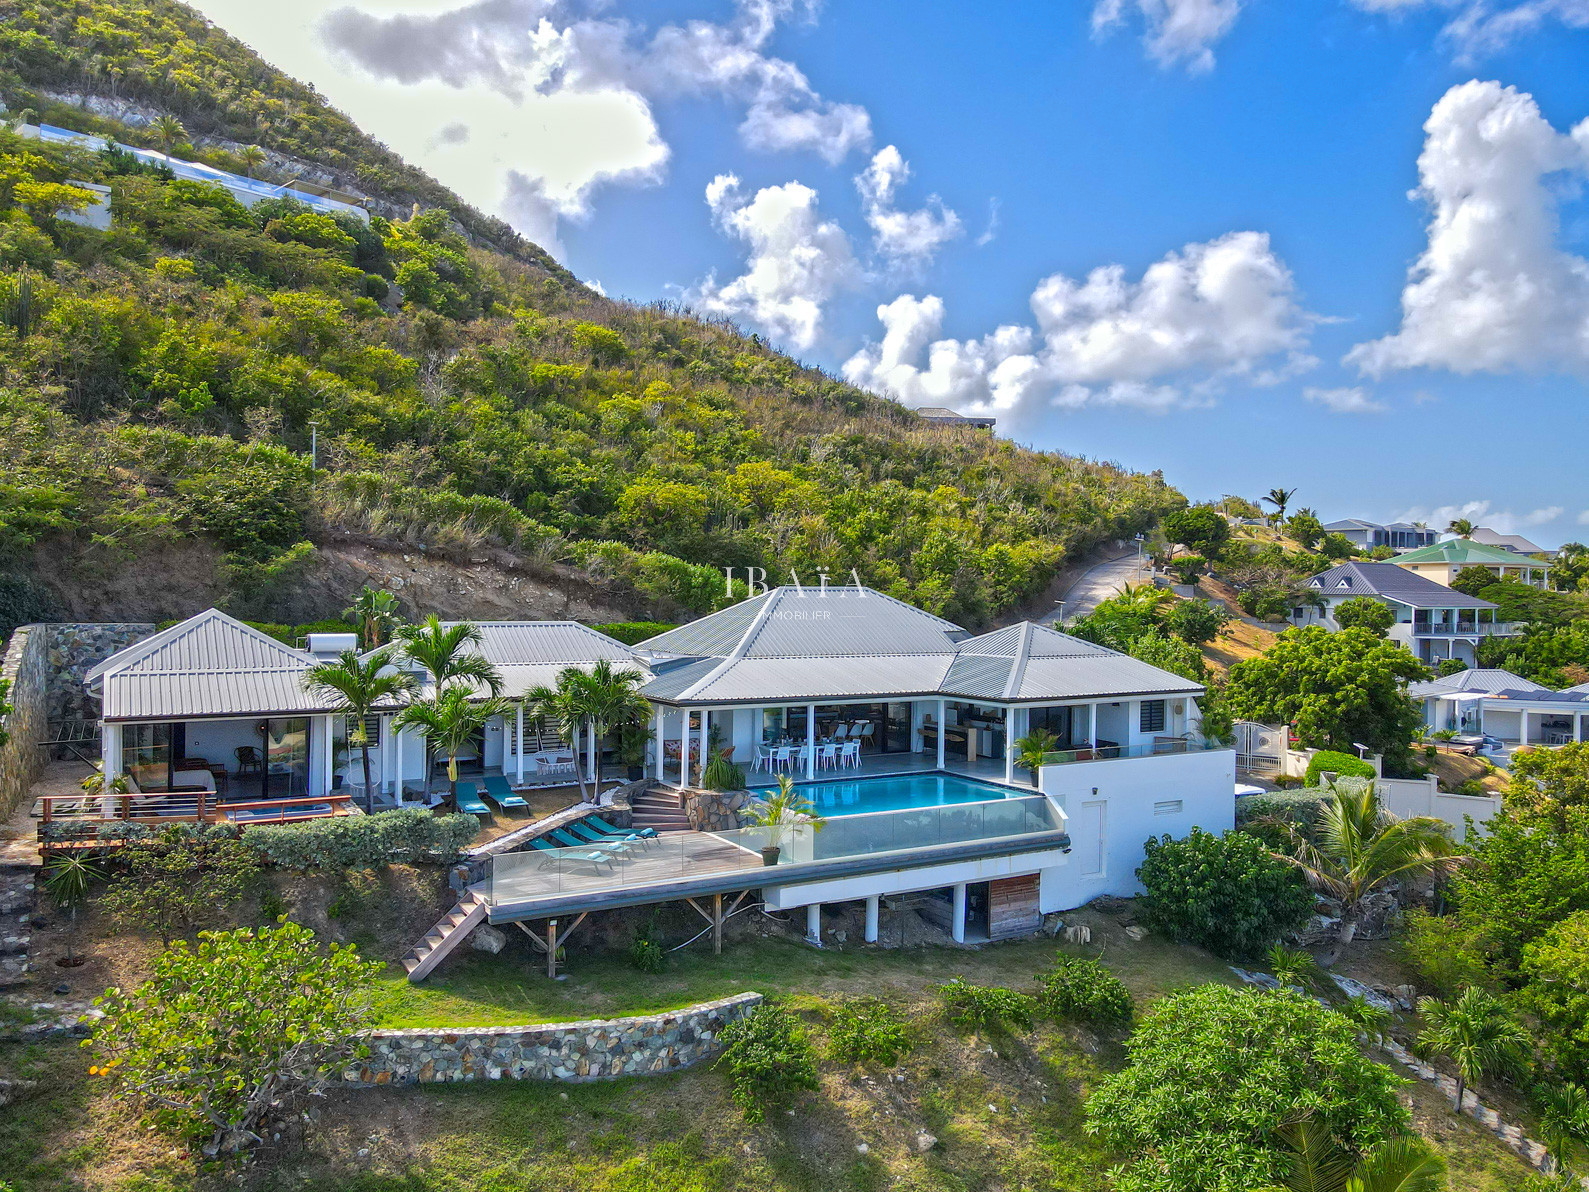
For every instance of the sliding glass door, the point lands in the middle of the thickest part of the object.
(287, 758)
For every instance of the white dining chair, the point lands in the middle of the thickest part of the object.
(850, 755)
(827, 757)
(839, 733)
(866, 732)
(763, 760)
(782, 757)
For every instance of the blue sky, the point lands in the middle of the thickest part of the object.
(1253, 179)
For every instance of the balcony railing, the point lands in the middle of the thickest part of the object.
(1463, 628)
(68, 817)
(1159, 747)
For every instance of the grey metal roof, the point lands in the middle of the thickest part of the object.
(523, 643)
(714, 635)
(1392, 582)
(208, 665)
(1512, 542)
(801, 680)
(1485, 680)
(1057, 679)
(672, 679)
(978, 676)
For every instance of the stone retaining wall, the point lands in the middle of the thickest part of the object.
(715, 811)
(74, 650)
(602, 1049)
(26, 666)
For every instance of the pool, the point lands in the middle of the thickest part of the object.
(899, 793)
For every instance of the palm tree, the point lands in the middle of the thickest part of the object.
(449, 722)
(1320, 1164)
(1360, 849)
(67, 880)
(1475, 1032)
(1280, 498)
(1460, 526)
(252, 157)
(168, 129)
(377, 613)
(442, 651)
(1563, 1120)
(565, 705)
(359, 686)
(603, 698)
(782, 813)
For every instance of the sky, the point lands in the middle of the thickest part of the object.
(1330, 245)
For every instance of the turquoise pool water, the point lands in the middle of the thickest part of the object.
(898, 793)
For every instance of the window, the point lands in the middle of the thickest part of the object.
(1168, 807)
(1153, 716)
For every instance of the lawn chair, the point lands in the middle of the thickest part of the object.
(468, 800)
(500, 793)
(585, 832)
(601, 825)
(567, 839)
(593, 859)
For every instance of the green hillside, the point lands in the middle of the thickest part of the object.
(161, 379)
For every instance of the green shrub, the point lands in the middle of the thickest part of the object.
(1081, 990)
(1299, 808)
(1445, 953)
(1342, 764)
(632, 633)
(868, 1029)
(1224, 893)
(645, 952)
(769, 1059)
(723, 775)
(989, 1009)
(363, 841)
(1365, 612)
(1215, 1071)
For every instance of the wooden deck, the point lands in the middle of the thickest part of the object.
(675, 857)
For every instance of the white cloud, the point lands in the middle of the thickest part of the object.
(1483, 513)
(912, 237)
(1494, 291)
(1484, 26)
(1354, 400)
(1583, 518)
(797, 260)
(1207, 313)
(1174, 31)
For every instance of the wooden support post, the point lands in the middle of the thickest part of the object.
(551, 949)
(717, 924)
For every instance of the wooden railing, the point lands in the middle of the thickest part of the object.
(188, 807)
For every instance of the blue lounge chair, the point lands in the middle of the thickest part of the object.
(469, 800)
(599, 838)
(569, 840)
(602, 826)
(594, 860)
(500, 793)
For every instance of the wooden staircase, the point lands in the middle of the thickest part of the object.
(445, 936)
(660, 809)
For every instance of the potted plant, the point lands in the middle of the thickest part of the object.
(779, 814)
(631, 741)
(1032, 748)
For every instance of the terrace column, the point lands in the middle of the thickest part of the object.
(658, 732)
(1577, 728)
(811, 741)
(706, 740)
(386, 750)
(814, 924)
(330, 753)
(592, 754)
(957, 920)
(397, 764)
(943, 726)
(871, 918)
(110, 750)
(1092, 726)
(1009, 744)
(518, 738)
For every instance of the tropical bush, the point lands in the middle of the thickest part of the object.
(868, 1030)
(1216, 1071)
(1258, 814)
(1199, 528)
(645, 951)
(989, 1009)
(1224, 893)
(1364, 612)
(407, 836)
(1443, 950)
(1343, 765)
(770, 1060)
(1082, 990)
(176, 882)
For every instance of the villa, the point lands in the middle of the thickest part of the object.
(1366, 535)
(1499, 704)
(1444, 561)
(1433, 621)
(900, 728)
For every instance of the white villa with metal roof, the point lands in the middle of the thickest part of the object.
(1433, 621)
(1515, 710)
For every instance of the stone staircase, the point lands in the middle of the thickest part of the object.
(17, 896)
(445, 936)
(660, 809)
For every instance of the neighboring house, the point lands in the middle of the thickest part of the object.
(1366, 535)
(940, 416)
(1505, 706)
(1444, 561)
(1515, 543)
(1433, 621)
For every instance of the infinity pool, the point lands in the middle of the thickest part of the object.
(898, 793)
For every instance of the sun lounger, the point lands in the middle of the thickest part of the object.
(469, 800)
(500, 793)
(595, 860)
(617, 848)
(585, 832)
(601, 825)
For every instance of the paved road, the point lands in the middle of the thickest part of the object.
(1097, 584)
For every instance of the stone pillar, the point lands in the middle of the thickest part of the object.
(811, 741)
(957, 920)
(518, 739)
(814, 924)
(943, 728)
(871, 918)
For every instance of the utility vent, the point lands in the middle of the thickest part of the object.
(1168, 807)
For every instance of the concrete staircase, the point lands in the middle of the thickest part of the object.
(445, 936)
(17, 896)
(659, 808)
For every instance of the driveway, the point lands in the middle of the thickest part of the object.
(1096, 585)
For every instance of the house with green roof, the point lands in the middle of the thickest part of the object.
(1444, 560)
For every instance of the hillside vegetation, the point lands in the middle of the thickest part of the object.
(161, 380)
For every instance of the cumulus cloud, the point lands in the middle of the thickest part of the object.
(1174, 31)
(1354, 400)
(1484, 26)
(1482, 513)
(524, 52)
(912, 237)
(1198, 317)
(1494, 291)
(796, 262)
